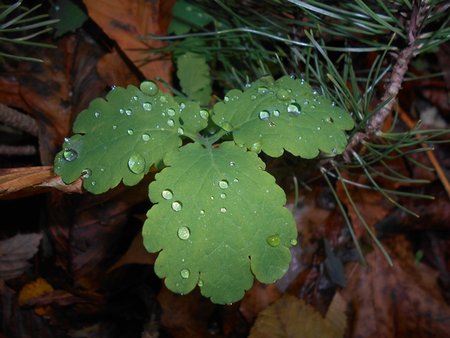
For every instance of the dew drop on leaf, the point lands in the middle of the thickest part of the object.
(171, 112)
(294, 109)
(263, 90)
(147, 106)
(274, 240)
(204, 114)
(121, 110)
(223, 195)
(177, 206)
(185, 273)
(145, 137)
(283, 94)
(170, 123)
(264, 115)
(149, 88)
(86, 173)
(130, 132)
(200, 283)
(180, 131)
(93, 183)
(294, 242)
(256, 147)
(276, 113)
(163, 99)
(97, 114)
(202, 212)
(183, 233)
(223, 210)
(114, 127)
(128, 112)
(182, 105)
(136, 163)
(167, 194)
(227, 126)
(70, 155)
(223, 184)
(232, 163)
(226, 99)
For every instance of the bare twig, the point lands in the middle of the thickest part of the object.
(18, 120)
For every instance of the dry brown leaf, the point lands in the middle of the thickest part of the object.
(400, 301)
(185, 316)
(136, 254)
(127, 21)
(14, 253)
(291, 317)
(257, 299)
(121, 76)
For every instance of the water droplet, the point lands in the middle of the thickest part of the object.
(253, 97)
(227, 126)
(333, 104)
(274, 240)
(264, 115)
(163, 99)
(130, 132)
(315, 92)
(283, 94)
(128, 112)
(226, 99)
(183, 233)
(171, 112)
(276, 113)
(121, 110)
(329, 120)
(136, 163)
(184, 273)
(177, 206)
(204, 114)
(167, 194)
(170, 123)
(212, 197)
(180, 131)
(313, 107)
(306, 102)
(202, 212)
(149, 88)
(222, 195)
(93, 183)
(263, 90)
(223, 210)
(318, 128)
(256, 147)
(70, 155)
(235, 180)
(97, 114)
(134, 98)
(294, 108)
(114, 127)
(271, 124)
(182, 105)
(334, 151)
(86, 173)
(147, 106)
(223, 184)
(145, 137)
(200, 283)
(293, 242)
(232, 163)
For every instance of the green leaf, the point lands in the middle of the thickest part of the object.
(71, 17)
(121, 137)
(218, 219)
(284, 114)
(186, 16)
(195, 80)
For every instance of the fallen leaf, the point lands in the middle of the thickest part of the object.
(257, 299)
(121, 76)
(400, 301)
(14, 253)
(34, 289)
(136, 254)
(292, 317)
(127, 21)
(185, 316)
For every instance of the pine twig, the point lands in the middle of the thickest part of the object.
(418, 15)
(26, 150)
(18, 120)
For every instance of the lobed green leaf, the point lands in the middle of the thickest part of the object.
(218, 220)
(119, 138)
(287, 114)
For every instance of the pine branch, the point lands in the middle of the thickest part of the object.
(418, 15)
(14, 118)
(26, 150)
